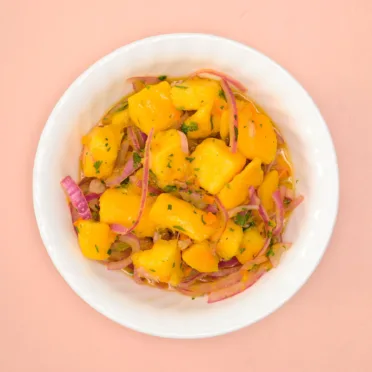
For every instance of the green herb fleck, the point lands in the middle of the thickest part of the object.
(170, 188)
(180, 87)
(202, 220)
(236, 130)
(96, 165)
(222, 107)
(222, 95)
(97, 249)
(193, 298)
(192, 127)
(169, 164)
(212, 125)
(109, 252)
(254, 267)
(108, 149)
(241, 250)
(154, 271)
(231, 229)
(196, 169)
(162, 77)
(271, 224)
(228, 186)
(174, 265)
(241, 219)
(180, 108)
(77, 229)
(136, 159)
(169, 207)
(287, 201)
(261, 125)
(270, 252)
(179, 228)
(189, 159)
(153, 194)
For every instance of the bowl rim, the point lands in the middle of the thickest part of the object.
(79, 80)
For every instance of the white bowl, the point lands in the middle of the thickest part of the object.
(154, 311)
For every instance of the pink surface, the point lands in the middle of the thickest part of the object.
(45, 45)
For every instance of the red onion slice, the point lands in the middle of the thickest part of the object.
(294, 203)
(76, 197)
(263, 250)
(279, 137)
(133, 139)
(92, 196)
(184, 143)
(255, 200)
(225, 218)
(120, 160)
(279, 211)
(233, 112)
(256, 261)
(128, 169)
(145, 183)
(223, 76)
(230, 263)
(237, 288)
(118, 265)
(211, 208)
(249, 207)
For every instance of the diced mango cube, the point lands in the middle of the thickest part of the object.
(200, 257)
(95, 239)
(236, 192)
(267, 188)
(179, 215)
(121, 205)
(261, 142)
(194, 93)
(229, 242)
(162, 262)
(215, 165)
(199, 125)
(250, 246)
(168, 161)
(119, 121)
(153, 108)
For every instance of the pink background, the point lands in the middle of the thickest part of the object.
(45, 45)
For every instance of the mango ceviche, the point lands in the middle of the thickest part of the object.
(186, 184)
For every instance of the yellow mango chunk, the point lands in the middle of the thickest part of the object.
(267, 188)
(162, 262)
(251, 244)
(153, 108)
(194, 93)
(95, 239)
(200, 257)
(121, 206)
(119, 121)
(229, 243)
(236, 192)
(215, 165)
(262, 143)
(168, 161)
(100, 152)
(179, 215)
(199, 125)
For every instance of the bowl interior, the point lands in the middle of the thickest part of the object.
(155, 311)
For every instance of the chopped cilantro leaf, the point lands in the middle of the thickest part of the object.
(202, 219)
(221, 93)
(179, 228)
(109, 251)
(97, 165)
(169, 207)
(189, 159)
(162, 77)
(236, 130)
(180, 86)
(170, 188)
(95, 246)
(241, 250)
(211, 120)
(136, 159)
(192, 127)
